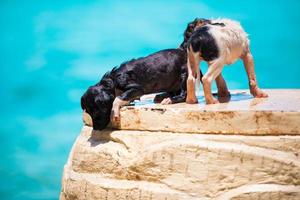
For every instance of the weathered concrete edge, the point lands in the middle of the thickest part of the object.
(276, 115)
(68, 166)
(210, 122)
(85, 184)
(95, 180)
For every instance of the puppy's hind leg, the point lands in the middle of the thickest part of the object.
(223, 93)
(222, 87)
(160, 97)
(214, 70)
(180, 96)
(249, 66)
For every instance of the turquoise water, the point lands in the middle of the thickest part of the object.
(51, 51)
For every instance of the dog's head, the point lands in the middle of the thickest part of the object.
(191, 27)
(97, 102)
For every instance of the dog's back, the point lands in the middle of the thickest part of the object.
(232, 39)
(157, 72)
(220, 37)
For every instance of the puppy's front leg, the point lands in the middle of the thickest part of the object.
(132, 92)
(193, 67)
(115, 112)
(214, 70)
(249, 66)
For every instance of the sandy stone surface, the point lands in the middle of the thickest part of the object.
(159, 158)
(243, 114)
(122, 164)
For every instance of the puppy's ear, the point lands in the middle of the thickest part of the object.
(104, 100)
(187, 33)
(108, 83)
(191, 28)
(196, 20)
(83, 101)
(201, 22)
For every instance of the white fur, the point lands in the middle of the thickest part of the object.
(233, 43)
(231, 39)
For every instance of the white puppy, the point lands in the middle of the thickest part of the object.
(218, 42)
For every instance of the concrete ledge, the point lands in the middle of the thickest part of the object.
(278, 114)
(124, 164)
(155, 156)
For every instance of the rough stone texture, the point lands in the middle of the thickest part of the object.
(280, 113)
(140, 164)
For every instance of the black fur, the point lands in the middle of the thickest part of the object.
(164, 71)
(158, 72)
(97, 101)
(202, 41)
(191, 28)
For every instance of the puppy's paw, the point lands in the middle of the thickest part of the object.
(212, 101)
(166, 101)
(115, 117)
(258, 93)
(191, 100)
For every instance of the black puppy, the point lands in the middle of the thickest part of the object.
(164, 71)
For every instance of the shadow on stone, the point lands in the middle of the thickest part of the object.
(104, 136)
(224, 99)
(232, 97)
(100, 137)
(240, 97)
